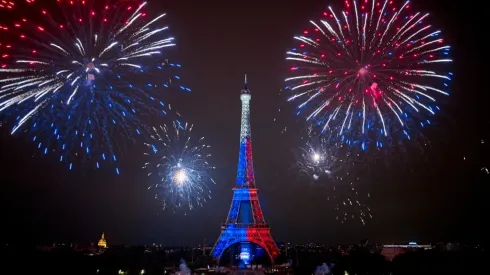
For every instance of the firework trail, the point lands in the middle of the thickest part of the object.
(178, 167)
(7, 4)
(485, 168)
(350, 204)
(331, 165)
(83, 75)
(370, 74)
(10, 4)
(484, 149)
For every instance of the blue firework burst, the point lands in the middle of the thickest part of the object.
(81, 77)
(179, 168)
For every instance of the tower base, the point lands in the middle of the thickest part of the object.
(260, 236)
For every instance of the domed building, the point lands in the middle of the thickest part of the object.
(102, 243)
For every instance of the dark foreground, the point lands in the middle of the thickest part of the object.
(139, 260)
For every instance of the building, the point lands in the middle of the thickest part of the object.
(390, 251)
(102, 243)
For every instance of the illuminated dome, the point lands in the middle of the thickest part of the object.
(102, 242)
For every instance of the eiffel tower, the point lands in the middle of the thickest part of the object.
(245, 223)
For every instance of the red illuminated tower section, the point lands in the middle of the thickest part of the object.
(245, 223)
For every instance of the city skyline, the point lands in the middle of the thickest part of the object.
(431, 194)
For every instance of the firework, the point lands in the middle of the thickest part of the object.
(82, 75)
(349, 202)
(7, 4)
(316, 159)
(179, 168)
(369, 74)
(10, 4)
(331, 165)
(484, 168)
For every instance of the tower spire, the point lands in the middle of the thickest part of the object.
(245, 87)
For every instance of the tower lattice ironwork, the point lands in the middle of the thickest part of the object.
(245, 223)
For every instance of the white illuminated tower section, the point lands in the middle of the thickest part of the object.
(245, 97)
(245, 173)
(245, 224)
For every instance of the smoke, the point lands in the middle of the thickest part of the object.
(324, 269)
(184, 270)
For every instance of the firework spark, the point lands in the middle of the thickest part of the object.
(85, 75)
(179, 168)
(331, 165)
(349, 202)
(369, 74)
(5, 46)
(10, 4)
(316, 159)
(484, 166)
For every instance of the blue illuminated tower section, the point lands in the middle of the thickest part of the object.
(245, 223)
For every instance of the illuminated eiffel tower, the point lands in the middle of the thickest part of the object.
(245, 223)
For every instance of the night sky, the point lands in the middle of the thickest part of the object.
(431, 195)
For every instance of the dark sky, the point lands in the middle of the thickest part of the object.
(433, 195)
